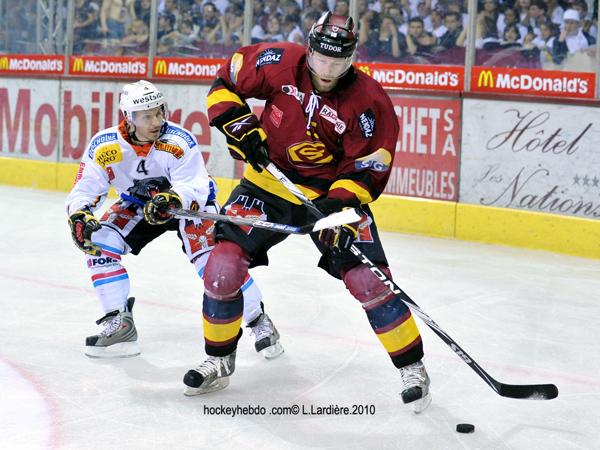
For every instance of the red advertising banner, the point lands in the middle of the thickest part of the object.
(550, 83)
(186, 68)
(416, 76)
(34, 64)
(109, 66)
(428, 150)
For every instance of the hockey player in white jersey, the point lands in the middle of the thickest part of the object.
(153, 164)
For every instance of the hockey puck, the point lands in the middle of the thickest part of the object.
(465, 428)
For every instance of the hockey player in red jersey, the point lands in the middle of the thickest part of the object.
(332, 130)
(153, 164)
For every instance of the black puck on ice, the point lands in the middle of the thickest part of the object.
(465, 428)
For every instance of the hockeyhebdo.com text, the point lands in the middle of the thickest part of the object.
(291, 410)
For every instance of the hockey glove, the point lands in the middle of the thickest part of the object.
(83, 223)
(339, 239)
(247, 140)
(156, 210)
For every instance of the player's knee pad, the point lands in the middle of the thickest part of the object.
(365, 286)
(225, 270)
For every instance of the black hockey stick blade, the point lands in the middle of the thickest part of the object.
(528, 391)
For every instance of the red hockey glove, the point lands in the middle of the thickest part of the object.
(247, 140)
(156, 209)
(83, 223)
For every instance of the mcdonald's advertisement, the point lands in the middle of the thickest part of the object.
(415, 76)
(32, 64)
(109, 66)
(535, 157)
(427, 157)
(550, 83)
(186, 68)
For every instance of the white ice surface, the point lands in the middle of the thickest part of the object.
(525, 316)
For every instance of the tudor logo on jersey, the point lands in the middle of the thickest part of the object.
(269, 56)
(309, 154)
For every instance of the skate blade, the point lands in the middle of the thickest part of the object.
(418, 406)
(216, 385)
(273, 351)
(119, 350)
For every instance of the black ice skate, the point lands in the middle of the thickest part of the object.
(118, 337)
(212, 375)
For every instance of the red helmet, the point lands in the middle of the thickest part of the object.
(333, 35)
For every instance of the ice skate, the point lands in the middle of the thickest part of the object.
(212, 375)
(118, 337)
(266, 337)
(415, 383)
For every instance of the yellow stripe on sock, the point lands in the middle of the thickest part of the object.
(399, 337)
(221, 332)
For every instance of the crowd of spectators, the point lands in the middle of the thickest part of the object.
(530, 33)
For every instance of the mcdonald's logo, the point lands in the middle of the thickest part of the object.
(4, 63)
(78, 65)
(160, 67)
(486, 79)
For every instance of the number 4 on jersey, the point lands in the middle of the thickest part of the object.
(141, 168)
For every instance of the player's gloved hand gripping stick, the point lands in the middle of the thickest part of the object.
(522, 391)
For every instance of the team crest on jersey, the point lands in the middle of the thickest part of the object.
(269, 56)
(330, 115)
(366, 123)
(201, 236)
(102, 139)
(276, 115)
(309, 154)
(292, 90)
(108, 154)
(364, 229)
(247, 207)
(378, 161)
(165, 146)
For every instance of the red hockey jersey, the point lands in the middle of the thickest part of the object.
(341, 143)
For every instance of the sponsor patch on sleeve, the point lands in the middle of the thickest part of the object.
(165, 146)
(366, 123)
(108, 154)
(269, 56)
(378, 161)
(237, 61)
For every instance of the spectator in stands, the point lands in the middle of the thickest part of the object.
(487, 36)
(537, 16)
(272, 7)
(587, 26)
(438, 29)
(368, 29)
(135, 43)
(317, 5)
(232, 24)
(397, 13)
(571, 39)
(342, 7)
(115, 15)
(291, 29)
(555, 11)
(85, 23)
(142, 10)
(522, 9)
(453, 23)
(290, 7)
(259, 14)
(418, 41)
(273, 32)
(171, 7)
(391, 44)
(510, 17)
(548, 32)
(212, 27)
(166, 24)
(511, 38)
(309, 18)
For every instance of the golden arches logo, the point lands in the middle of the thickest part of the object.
(160, 67)
(78, 65)
(4, 64)
(486, 79)
(309, 153)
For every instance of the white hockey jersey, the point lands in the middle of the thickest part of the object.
(109, 160)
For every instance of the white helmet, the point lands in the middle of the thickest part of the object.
(140, 96)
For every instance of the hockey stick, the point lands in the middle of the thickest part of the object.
(521, 391)
(333, 220)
